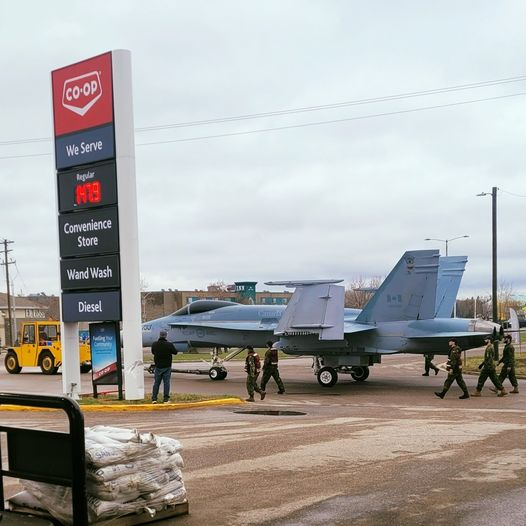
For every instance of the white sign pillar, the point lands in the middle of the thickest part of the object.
(70, 360)
(128, 233)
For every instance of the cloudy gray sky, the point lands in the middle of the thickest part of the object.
(336, 192)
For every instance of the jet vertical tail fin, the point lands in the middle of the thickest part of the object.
(450, 271)
(408, 292)
(316, 307)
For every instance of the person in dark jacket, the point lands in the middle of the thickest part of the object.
(162, 351)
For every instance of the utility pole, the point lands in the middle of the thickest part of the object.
(494, 253)
(7, 263)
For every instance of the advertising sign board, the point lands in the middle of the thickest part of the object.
(87, 187)
(91, 232)
(91, 306)
(101, 272)
(84, 147)
(105, 355)
(83, 95)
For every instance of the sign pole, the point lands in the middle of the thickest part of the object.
(97, 205)
(127, 190)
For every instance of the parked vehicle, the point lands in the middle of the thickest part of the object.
(40, 346)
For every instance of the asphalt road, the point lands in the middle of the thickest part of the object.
(382, 452)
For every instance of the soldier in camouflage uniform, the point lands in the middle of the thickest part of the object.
(454, 368)
(252, 368)
(487, 370)
(270, 368)
(429, 364)
(508, 365)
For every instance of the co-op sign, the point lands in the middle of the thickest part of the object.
(81, 93)
(83, 110)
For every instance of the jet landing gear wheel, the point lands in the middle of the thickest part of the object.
(360, 374)
(327, 376)
(216, 373)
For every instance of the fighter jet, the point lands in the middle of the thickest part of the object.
(403, 316)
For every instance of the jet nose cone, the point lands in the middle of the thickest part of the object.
(486, 327)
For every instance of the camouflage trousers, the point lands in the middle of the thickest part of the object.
(451, 377)
(271, 371)
(252, 384)
(492, 375)
(508, 371)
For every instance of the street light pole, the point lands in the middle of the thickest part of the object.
(494, 252)
(494, 299)
(446, 241)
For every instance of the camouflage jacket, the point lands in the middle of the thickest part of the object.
(508, 355)
(489, 362)
(252, 364)
(455, 360)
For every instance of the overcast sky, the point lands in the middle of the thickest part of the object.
(341, 199)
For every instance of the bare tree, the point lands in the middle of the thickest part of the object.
(360, 291)
(220, 290)
(506, 300)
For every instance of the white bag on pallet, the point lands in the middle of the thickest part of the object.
(126, 472)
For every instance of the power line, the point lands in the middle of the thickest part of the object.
(511, 193)
(334, 121)
(308, 124)
(358, 102)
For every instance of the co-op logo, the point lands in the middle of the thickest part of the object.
(81, 93)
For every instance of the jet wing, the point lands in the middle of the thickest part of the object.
(351, 327)
(234, 326)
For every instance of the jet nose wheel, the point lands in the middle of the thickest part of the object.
(217, 373)
(327, 376)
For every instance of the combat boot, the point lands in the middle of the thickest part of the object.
(476, 393)
(441, 394)
(250, 399)
(502, 392)
(515, 390)
(464, 396)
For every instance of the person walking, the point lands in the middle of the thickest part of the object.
(270, 368)
(429, 364)
(454, 369)
(508, 365)
(252, 368)
(162, 351)
(487, 370)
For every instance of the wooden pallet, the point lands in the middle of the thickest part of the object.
(127, 520)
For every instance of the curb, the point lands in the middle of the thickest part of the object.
(134, 407)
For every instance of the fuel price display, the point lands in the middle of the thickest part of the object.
(95, 185)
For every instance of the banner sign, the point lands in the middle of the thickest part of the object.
(105, 353)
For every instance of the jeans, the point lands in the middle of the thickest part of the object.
(162, 374)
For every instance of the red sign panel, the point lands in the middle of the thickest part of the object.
(83, 95)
